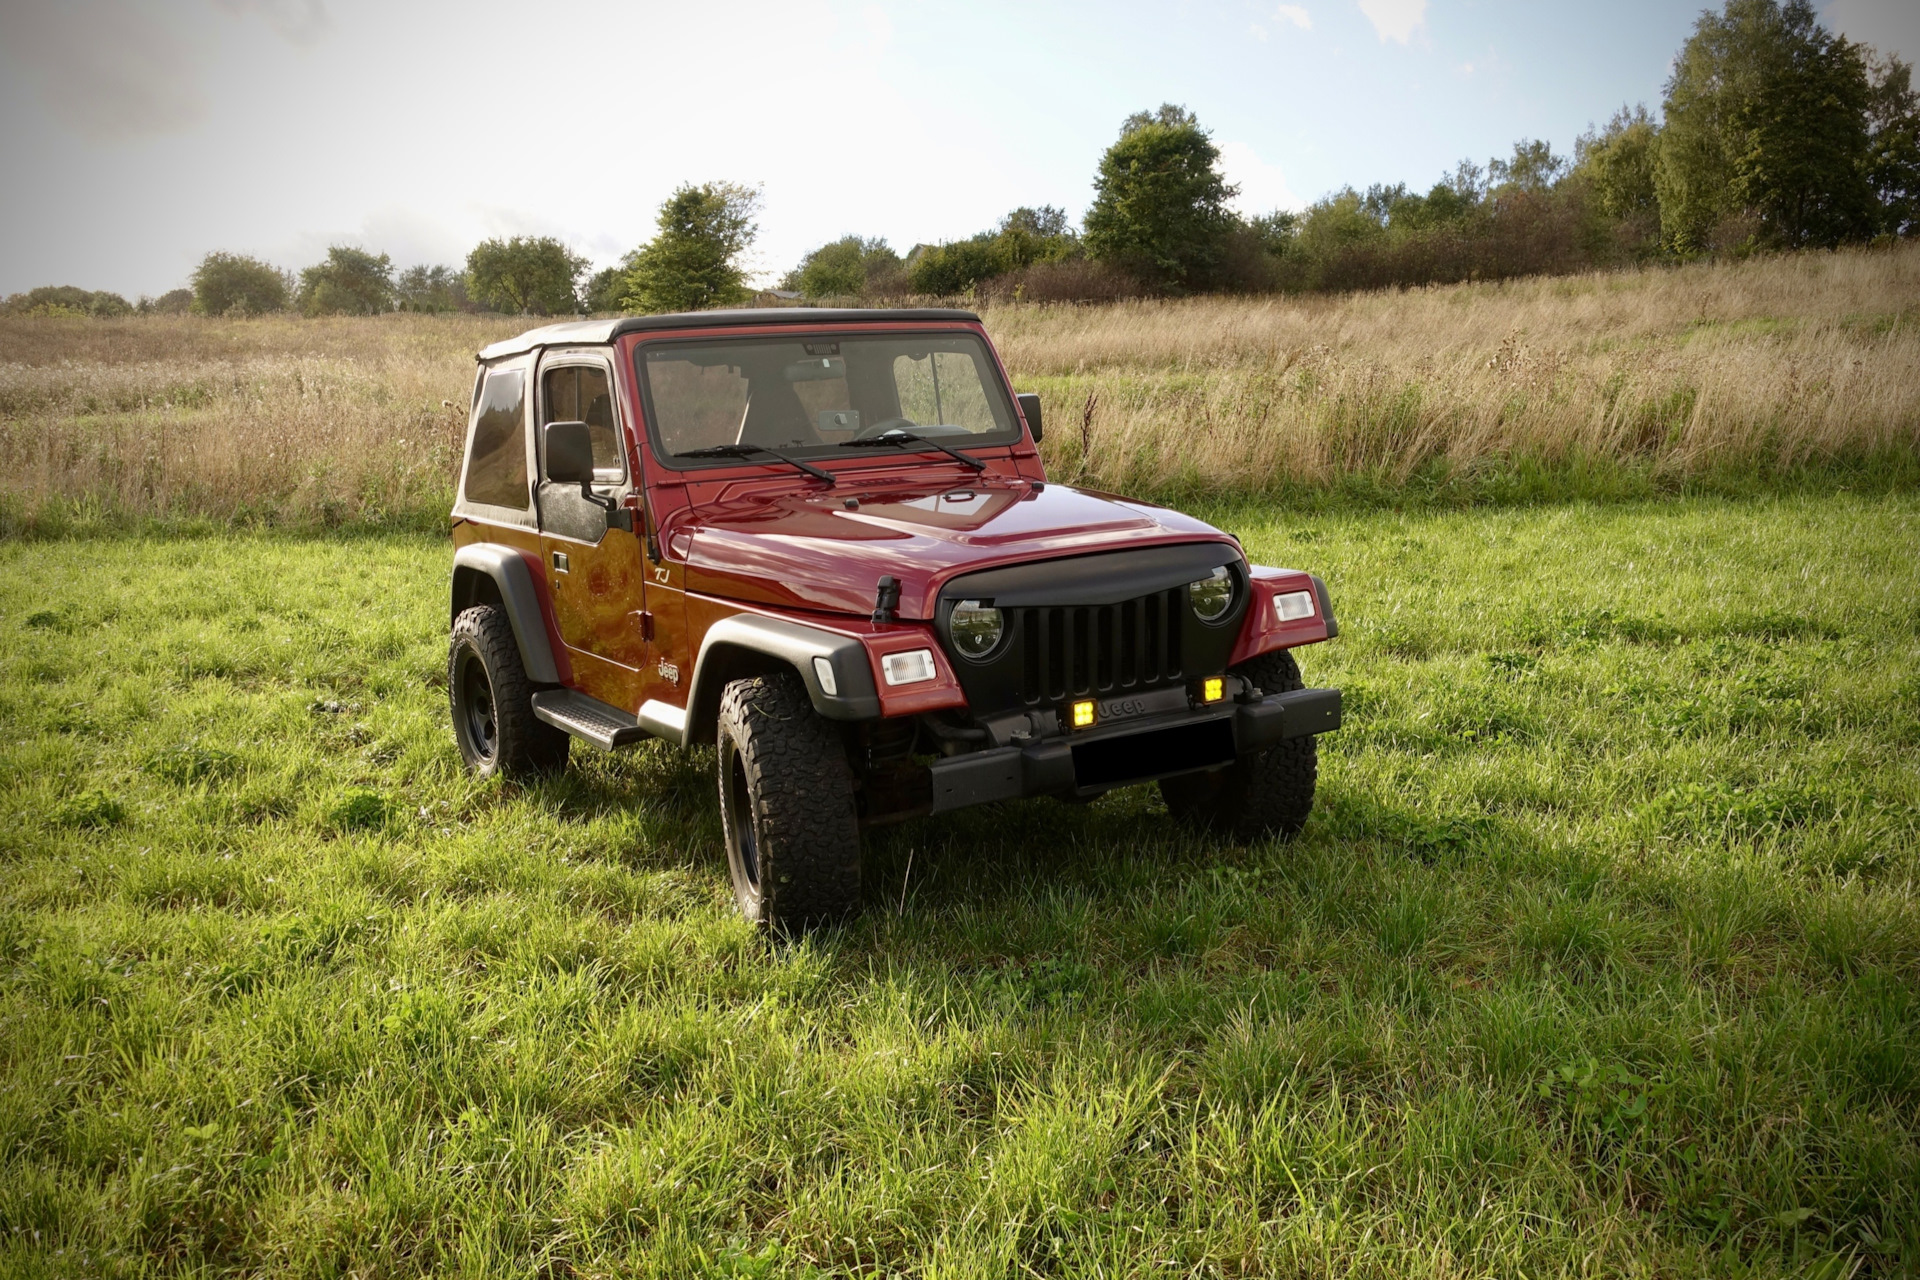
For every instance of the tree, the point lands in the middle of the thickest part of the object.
(1274, 232)
(1617, 165)
(351, 282)
(606, 287)
(1029, 235)
(233, 284)
(1766, 118)
(1336, 222)
(431, 290)
(1533, 169)
(1160, 204)
(1893, 158)
(693, 263)
(843, 268)
(526, 275)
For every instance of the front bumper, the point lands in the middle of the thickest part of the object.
(1118, 754)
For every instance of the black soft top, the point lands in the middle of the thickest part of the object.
(591, 332)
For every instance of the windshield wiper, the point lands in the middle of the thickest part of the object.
(749, 450)
(897, 436)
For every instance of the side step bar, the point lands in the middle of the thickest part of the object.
(587, 719)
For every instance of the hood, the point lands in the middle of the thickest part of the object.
(809, 550)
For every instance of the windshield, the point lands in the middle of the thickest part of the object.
(810, 394)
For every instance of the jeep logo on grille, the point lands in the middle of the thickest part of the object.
(1117, 707)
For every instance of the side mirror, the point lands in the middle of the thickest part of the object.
(1030, 409)
(570, 461)
(569, 453)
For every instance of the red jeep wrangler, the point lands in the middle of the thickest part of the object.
(823, 542)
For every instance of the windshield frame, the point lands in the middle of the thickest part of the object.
(995, 384)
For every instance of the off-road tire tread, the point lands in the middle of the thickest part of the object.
(1265, 793)
(529, 747)
(801, 792)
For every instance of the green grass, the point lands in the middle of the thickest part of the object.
(1599, 956)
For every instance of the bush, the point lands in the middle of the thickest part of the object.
(233, 284)
(351, 282)
(848, 267)
(66, 300)
(1071, 280)
(1024, 237)
(945, 270)
(174, 302)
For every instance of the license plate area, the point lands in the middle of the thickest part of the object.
(1158, 753)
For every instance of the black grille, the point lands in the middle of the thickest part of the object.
(1094, 626)
(1099, 649)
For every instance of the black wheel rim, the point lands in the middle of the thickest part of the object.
(740, 816)
(476, 701)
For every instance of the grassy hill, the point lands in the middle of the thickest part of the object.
(1599, 956)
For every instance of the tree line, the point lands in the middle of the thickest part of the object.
(1774, 133)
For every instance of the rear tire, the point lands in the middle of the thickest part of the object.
(492, 701)
(786, 806)
(1263, 793)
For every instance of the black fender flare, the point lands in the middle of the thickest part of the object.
(749, 644)
(520, 600)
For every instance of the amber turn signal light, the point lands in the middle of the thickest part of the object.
(1082, 714)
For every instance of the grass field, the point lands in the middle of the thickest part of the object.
(1601, 954)
(1718, 378)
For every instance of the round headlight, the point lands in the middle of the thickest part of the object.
(1212, 596)
(976, 628)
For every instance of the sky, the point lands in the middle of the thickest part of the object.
(137, 135)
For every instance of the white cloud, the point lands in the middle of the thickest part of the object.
(105, 68)
(1395, 20)
(1263, 187)
(1293, 13)
(300, 22)
(1891, 26)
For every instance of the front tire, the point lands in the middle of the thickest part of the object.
(1263, 793)
(492, 701)
(786, 806)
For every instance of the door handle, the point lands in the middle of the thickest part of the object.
(560, 562)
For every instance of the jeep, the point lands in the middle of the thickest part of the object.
(822, 542)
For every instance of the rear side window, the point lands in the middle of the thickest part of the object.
(581, 393)
(497, 462)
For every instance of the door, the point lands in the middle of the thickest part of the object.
(594, 571)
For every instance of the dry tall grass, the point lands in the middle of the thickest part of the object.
(1658, 377)
(1766, 367)
(277, 419)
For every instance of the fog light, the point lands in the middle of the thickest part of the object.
(1212, 689)
(910, 667)
(823, 672)
(1082, 714)
(1294, 605)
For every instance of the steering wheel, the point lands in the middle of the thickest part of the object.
(881, 428)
